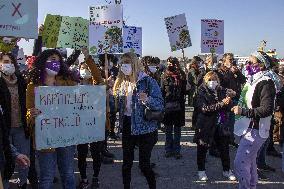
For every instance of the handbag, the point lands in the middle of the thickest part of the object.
(152, 115)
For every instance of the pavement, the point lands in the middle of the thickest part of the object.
(177, 174)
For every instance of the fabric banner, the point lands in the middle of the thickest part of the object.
(19, 18)
(105, 29)
(70, 115)
(132, 39)
(212, 36)
(178, 32)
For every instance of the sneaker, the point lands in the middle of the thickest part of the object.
(266, 168)
(84, 184)
(202, 176)
(95, 183)
(261, 176)
(229, 174)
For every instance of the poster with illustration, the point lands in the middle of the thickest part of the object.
(19, 18)
(212, 36)
(132, 39)
(105, 29)
(178, 32)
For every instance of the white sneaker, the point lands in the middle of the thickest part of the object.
(202, 176)
(229, 175)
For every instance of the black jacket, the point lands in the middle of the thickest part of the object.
(208, 104)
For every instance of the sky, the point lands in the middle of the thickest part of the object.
(247, 22)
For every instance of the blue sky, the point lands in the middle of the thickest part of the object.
(247, 22)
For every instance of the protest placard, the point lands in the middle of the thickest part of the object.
(212, 36)
(178, 32)
(132, 39)
(50, 34)
(70, 115)
(19, 18)
(105, 29)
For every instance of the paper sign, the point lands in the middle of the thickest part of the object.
(105, 29)
(132, 39)
(50, 34)
(21, 59)
(19, 18)
(178, 32)
(212, 36)
(70, 115)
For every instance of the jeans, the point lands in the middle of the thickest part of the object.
(64, 158)
(145, 143)
(262, 154)
(96, 149)
(22, 144)
(173, 140)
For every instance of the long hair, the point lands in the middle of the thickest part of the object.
(37, 72)
(121, 78)
(13, 60)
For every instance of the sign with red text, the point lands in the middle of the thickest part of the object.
(105, 29)
(212, 36)
(178, 32)
(70, 115)
(19, 18)
(132, 39)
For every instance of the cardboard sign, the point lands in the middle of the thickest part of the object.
(65, 32)
(132, 39)
(178, 32)
(70, 115)
(19, 18)
(212, 36)
(105, 29)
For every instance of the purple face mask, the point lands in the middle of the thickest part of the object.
(53, 66)
(252, 69)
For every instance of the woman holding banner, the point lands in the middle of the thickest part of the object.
(49, 70)
(136, 91)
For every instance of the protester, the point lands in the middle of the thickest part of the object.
(212, 101)
(50, 70)
(136, 91)
(173, 90)
(261, 92)
(12, 101)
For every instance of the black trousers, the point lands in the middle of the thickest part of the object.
(222, 144)
(145, 143)
(96, 150)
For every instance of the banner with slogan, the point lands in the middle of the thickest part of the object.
(178, 32)
(19, 18)
(132, 39)
(212, 36)
(65, 32)
(70, 115)
(105, 29)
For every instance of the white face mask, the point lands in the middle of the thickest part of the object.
(212, 85)
(8, 69)
(51, 72)
(126, 69)
(152, 69)
(85, 74)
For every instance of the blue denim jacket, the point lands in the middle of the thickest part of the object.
(155, 101)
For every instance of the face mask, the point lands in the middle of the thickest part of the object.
(152, 69)
(8, 69)
(52, 68)
(212, 85)
(126, 69)
(85, 74)
(252, 69)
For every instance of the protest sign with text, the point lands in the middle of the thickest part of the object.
(132, 39)
(69, 115)
(19, 18)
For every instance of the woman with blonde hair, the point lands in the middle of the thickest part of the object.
(135, 91)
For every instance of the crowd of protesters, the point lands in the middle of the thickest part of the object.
(146, 95)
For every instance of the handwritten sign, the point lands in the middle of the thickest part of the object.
(19, 18)
(132, 39)
(212, 36)
(178, 32)
(65, 32)
(105, 29)
(70, 115)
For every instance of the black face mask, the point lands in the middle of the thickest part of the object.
(171, 68)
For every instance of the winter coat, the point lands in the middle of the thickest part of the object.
(208, 104)
(139, 125)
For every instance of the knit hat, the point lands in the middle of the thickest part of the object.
(262, 57)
